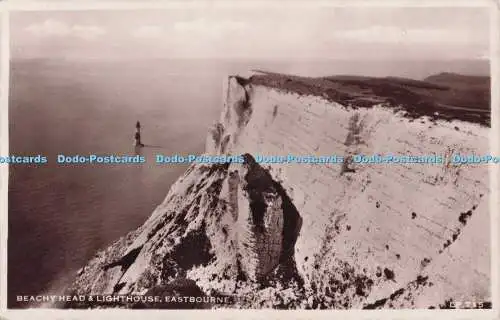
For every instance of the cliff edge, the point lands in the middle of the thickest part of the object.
(306, 235)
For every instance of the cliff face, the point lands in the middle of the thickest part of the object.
(316, 235)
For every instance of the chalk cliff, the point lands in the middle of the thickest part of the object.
(331, 235)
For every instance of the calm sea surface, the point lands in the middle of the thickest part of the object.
(59, 216)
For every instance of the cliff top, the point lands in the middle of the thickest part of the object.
(445, 96)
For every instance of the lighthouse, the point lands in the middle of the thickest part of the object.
(137, 137)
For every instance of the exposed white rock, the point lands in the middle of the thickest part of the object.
(316, 235)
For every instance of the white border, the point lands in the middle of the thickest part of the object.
(495, 149)
(4, 149)
(21, 5)
(60, 5)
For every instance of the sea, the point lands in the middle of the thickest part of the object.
(60, 216)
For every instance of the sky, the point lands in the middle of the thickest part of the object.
(294, 32)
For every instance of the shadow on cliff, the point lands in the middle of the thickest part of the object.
(259, 182)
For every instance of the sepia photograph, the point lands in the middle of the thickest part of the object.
(250, 157)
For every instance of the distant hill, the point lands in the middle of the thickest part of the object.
(444, 95)
(454, 79)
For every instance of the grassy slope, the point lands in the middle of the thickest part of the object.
(443, 96)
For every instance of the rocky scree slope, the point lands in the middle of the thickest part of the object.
(318, 235)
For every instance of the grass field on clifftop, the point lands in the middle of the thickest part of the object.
(445, 96)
